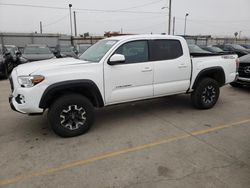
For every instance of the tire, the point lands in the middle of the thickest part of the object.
(71, 115)
(235, 84)
(205, 94)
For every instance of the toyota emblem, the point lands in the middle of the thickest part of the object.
(247, 70)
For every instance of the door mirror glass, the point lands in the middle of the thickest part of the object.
(116, 59)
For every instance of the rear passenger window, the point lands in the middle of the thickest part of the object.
(165, 49)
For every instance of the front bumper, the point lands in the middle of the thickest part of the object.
(12, 105)
(243, 81)
(24, 100)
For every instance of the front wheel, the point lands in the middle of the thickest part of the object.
(205, 94)
(71, 115)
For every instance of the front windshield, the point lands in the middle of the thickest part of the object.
(238, 47)
(215, 49)
(36, 50)
(196, 49)
(96, 52)
(11, 50)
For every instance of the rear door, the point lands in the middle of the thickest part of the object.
(172, 68)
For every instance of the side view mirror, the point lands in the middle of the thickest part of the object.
(116, 59)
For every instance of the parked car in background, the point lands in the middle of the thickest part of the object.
(65, 51)
(244, 72)
(213, 49)
(5, 62)
(196, 50)
(37, 52)
(82, 48)
(16, 54)
(234, 48)
(8, 60)
(247, 46)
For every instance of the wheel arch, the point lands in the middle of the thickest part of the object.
(216, 73)
(86, 88)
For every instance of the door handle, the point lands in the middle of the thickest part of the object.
(147, 69)
(182, 66)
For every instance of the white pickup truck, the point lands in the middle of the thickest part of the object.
(117, 70)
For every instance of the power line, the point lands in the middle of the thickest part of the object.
(80, 9)
(120, 20)
(56, 21)
(33, 6)
(136, 29)
(143, 5)
(215, 21)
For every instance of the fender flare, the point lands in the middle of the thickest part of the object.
(67, 86)
(210, 71)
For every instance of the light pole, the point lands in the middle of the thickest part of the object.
(185, 27)
(169, 16)
(75, 23)
(70, 17)
(173, 24)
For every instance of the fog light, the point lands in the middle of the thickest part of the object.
(20, 99)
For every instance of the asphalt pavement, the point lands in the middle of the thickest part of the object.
(157, 143)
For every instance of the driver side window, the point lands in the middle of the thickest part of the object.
(134, 52)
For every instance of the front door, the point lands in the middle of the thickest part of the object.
(131, 80)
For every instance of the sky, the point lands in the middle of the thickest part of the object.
(206, 17)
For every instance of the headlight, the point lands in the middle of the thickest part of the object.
(30, 81)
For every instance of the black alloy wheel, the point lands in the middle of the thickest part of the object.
(205, 94)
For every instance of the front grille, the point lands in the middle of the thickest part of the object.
(11, 84)
(242, 70)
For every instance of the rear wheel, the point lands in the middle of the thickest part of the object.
(71, 115)
(206, 93)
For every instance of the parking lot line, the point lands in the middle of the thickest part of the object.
(117, 153)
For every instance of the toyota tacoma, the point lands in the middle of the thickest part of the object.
(117, 70)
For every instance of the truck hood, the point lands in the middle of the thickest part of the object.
(29, 68)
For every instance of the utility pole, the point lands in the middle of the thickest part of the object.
(70, 5)
(185, 26)
(41, 28)
(173, 24)
(169, 16)
(75, 23)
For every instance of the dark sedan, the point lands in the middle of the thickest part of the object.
(65, 51)
(7, 62)
(213, 49)
(244, 72)
(37, 52)
(16, 54)
(196, 50)
(234, 48)
(247, 46)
